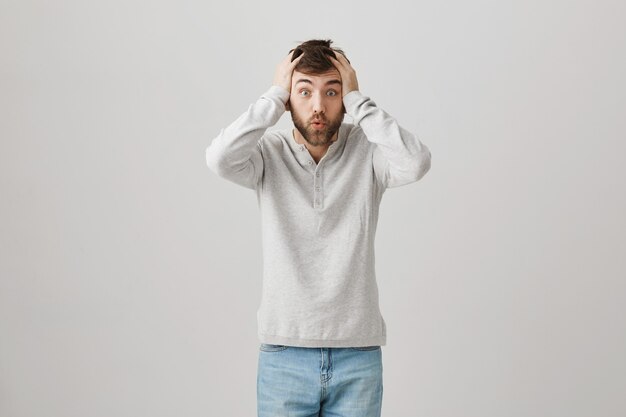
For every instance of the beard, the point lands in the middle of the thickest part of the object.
(317, 137)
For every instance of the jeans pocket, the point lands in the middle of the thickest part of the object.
(266, 347)
(365, 348)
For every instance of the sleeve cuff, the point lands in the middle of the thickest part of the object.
(277, 92)
(352, 100)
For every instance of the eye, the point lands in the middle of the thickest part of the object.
(303, 91)
(334, 93)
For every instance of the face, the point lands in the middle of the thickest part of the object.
(316, 98)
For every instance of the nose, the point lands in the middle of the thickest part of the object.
(318, 103)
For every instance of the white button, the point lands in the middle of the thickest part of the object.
(317, 188)
(317, 174)
(310, 162)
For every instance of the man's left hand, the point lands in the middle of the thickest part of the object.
(348, 74)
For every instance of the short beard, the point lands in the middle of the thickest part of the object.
(313, 137)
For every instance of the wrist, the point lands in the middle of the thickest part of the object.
(282, 87)
(280, 92)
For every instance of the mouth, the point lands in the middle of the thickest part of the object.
(318, 124)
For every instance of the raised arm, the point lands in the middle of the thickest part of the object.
(399, 156)
(235, 154)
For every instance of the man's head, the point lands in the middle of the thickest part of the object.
(315, 60)
(316, 93)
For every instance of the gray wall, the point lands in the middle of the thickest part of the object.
(131, 274)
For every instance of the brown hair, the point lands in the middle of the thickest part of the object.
(315, 59)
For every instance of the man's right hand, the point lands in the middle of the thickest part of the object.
(284, 71)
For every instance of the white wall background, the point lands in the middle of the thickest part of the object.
(131, 274)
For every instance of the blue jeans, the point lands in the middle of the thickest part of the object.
(319, 382)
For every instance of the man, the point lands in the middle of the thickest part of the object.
(319, 187)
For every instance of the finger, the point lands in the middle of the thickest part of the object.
(295, 61)
(337, 64)
(339, 57)
(289, 56)
(342, 58)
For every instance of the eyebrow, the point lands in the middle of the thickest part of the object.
(306, 80)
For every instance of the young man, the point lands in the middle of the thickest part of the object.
(319, 187)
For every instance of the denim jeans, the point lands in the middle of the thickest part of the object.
(319, 382)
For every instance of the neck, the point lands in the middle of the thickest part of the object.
(317, 151)
(302, 141)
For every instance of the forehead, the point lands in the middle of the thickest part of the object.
(330, 77)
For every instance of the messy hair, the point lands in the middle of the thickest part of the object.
(315, 59)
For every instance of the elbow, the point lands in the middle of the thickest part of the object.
(215, 160)
(421, 165)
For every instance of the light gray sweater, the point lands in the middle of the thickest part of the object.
(318, 220)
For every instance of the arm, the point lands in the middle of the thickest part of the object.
(399, 157)
(236, 153)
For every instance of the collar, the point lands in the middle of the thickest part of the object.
(338, 144)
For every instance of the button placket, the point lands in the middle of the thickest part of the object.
(317, 190)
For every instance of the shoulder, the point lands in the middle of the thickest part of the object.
(356, 138)
(274, 139)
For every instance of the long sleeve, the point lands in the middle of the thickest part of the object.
(235, 154)
(399, 156)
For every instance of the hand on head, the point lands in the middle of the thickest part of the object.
(284, 71)
(348, 74)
